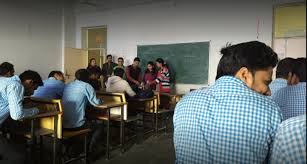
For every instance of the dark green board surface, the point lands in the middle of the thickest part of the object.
(188, 62)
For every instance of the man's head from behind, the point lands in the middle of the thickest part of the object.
(94, 74)
(298, 72)
(284, 68)
(58, 75)
(30, 80)
(7, 69)
(251, 62)
(119, 72)
(82, 75)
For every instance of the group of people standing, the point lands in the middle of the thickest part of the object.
(130, 79)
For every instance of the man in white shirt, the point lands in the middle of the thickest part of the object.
(116, 83)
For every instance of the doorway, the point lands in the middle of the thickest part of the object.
(94, 41)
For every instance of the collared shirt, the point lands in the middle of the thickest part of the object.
(52, 89)
(11, 97)
(290, 142)
(225, 123)
(77, 94)
(291, 100)
(277, 84)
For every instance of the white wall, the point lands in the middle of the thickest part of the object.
(185, 21)
(31, 35)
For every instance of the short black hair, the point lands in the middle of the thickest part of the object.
(137, 59)
(119, 72)
(120, 58)
(253, 55)
(5, 68)
(109, 56)
(160, 60)
(31, 75)
(94, 71)
(284, 67)
(299, 69)
(82, 75)
(52, 73)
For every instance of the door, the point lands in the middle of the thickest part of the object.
(74, 59)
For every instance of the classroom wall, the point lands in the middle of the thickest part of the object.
(31, 35)
(184, 21)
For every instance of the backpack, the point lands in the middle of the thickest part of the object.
(147, 93)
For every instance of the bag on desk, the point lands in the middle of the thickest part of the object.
(147, 93)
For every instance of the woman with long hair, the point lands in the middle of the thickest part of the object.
(163, 76)
(150, 75)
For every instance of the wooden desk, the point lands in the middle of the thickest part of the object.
(44, 114)
(107, 108)
(140, 105)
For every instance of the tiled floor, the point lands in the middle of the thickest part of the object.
(154, 150)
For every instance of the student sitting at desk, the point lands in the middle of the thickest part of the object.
(283, 72)
(233, 121)
(290, 141)
(7, 69)
(116, 83)
(94, 79)
(12, 92)
(53, 87)
(76, 96)
(133, 73)
(292, 99)
(150, 76)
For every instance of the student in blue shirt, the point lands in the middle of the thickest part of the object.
(12, 91)
(292, 99)
(290, 142)
(232, 121)
(283, 73)
(53, 87)
(76, 96)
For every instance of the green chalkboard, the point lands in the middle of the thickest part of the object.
(188, 62)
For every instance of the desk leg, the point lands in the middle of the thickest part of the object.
(122, 130)
(108, 135)
(32, 144)
(55, 137)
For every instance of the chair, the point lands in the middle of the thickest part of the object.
(47, 124)
(166, 104)
(117, 114)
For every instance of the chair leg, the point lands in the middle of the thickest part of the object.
(122, 136)
(85, 150)
(41, 148)
(156, 128)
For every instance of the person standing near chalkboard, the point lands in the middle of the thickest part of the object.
(150, 75)
(133, 74)
(163, 76)
(107, 68)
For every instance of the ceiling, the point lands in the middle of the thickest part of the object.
(104, 5)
